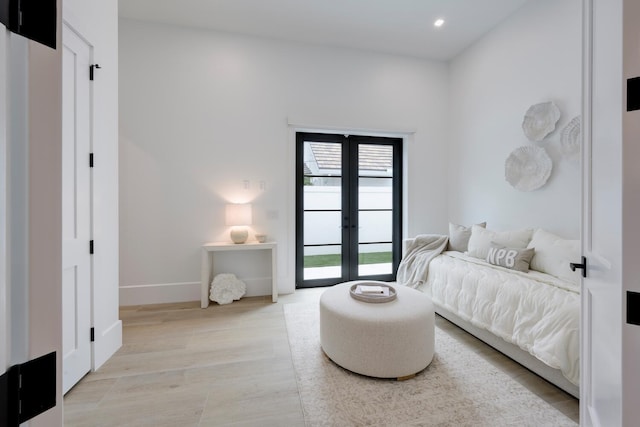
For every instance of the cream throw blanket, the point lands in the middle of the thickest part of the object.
(414, 266)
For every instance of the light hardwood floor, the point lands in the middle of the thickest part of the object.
(181, 365)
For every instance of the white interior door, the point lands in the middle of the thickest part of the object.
(76, 209)
(601, 326)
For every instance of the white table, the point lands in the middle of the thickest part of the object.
(208, 250)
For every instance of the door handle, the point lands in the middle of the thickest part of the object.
(582, 266)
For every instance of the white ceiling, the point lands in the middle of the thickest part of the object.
(393, 26)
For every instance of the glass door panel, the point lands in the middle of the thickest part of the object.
(375, 209)
(322, 243)
(322, 210)
(374, 242)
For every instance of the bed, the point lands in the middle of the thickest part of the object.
(532, 317)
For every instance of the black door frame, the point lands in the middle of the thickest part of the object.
(349, 211)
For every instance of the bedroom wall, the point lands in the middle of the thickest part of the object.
(201, 113)
(534, 56)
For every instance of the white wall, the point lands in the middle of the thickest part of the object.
(97, 22)
(534, 56)
(200, 112)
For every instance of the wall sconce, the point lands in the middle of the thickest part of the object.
(239, 217)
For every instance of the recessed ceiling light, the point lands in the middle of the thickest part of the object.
(439, 23)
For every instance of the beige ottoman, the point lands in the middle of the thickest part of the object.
(386, 340)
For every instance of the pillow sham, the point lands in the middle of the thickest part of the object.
(459, 236)
(553, 255)
(511, 258)
(481, 238)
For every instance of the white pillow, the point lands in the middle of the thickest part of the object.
(459, 236)
(481, 238)
(553, 255)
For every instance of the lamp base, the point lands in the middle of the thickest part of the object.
(239, 235)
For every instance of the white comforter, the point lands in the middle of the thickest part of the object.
(533, 310)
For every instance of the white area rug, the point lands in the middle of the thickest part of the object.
(459, 388)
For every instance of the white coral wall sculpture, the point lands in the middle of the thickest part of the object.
(227, 288)
(570, 139)
(540, 120)
(528, 168)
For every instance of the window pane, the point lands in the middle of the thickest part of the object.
(375, 196)
(375, 226)
(375, 259)
(322, 159)
(322, 262)
(375, 160)
(322, 228)
(322, 196)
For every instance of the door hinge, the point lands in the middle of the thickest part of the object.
(93, 334)
(633, 308)
(27, 389)
(91, 247)
(90, 160)
(633, 94)
(91, 68)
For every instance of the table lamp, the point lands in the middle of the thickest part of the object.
(238, 216)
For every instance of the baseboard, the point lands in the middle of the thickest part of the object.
(182, 292)
(159, 293)
(106, 344)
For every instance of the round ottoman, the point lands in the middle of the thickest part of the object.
(393, 339)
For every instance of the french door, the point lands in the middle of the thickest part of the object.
(348, 208)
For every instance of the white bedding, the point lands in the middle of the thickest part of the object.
(535, 311)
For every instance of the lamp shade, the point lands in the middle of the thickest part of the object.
(238, 214)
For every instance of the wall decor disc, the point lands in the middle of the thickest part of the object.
(540, 120)
(570, 140)
(527, 168)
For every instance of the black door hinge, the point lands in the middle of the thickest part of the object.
(93, 334)
(633, 308)
(27, 389)
(91, 68)
(90, 160)
(91, 247)
(633, 94)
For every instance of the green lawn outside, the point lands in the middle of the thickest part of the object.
(334, 260)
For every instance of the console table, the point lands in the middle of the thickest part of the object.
(208, 251)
